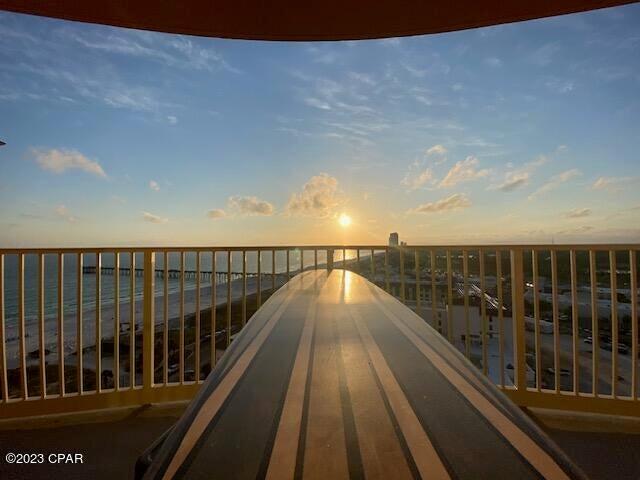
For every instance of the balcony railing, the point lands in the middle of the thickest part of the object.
(554, 326)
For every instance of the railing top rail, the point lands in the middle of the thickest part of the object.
(240, 248)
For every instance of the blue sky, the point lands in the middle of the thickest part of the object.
(517, 133)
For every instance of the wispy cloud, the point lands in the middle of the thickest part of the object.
(415, 180)
(613, 184)
(319, 197)
(578, 213)
(151, 218)
(59, 161)
(176, 51)
(493, 61)
(63, 212)
(544, 55)
(554, 182)
(437, 150)
(512, 181)
(463, 171)
(216, 214)
(153, 185)
(250, 206)
(457, 201)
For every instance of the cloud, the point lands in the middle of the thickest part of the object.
(172, 119)
(62, 212)
(463, 171)
(58, 161)
(153, 185)
(150, 217)
(457, 201)
(544, 55)
(250, 206)
(560, 86)
(613, 184)
(437, 150)
(554, 182)
(318, 198)
(216, 213)
(578, 213)
(417, 181)
(493, 62)
(317, 103)
(513, 181)
(175, 51)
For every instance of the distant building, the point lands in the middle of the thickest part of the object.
(394, 239)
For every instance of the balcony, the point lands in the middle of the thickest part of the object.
(555, 327)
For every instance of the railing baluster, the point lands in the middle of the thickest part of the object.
(556, 319)
(595, 334)
(500, 314)
(116, 323)
(259, 282)
(432, 259)
(574, 323)
(373, 267)
(288, 266)
(483, 313)
(98, 333)
(21, 328)
(61, 324)
(465, 280)
(132, 320)
(197, 337)
(536, 319)
(79, 315)
(402, 292)
(41, 330)
(315, 258)
(344, 259)
(613, 273)
(228, 328)
(182, 333)
(148, 322)
(273, 271)
(634, 323)
(358, 261)
(417, 269)
(165, 316)
(244, 288)
(449, 298)
(517, 307)
(386, 270)
(301, 260)
(4, 381)
(214, 301)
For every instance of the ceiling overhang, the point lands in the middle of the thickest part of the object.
(296, 20)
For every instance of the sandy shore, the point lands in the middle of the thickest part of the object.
(108, 314)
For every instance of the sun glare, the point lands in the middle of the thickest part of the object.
(344, 220)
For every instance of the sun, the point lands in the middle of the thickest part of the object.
(344, 220)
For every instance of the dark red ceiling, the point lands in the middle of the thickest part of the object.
(302, 19)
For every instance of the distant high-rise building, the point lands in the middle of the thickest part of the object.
(394, 240)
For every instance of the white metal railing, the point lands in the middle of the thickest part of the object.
(553, 325)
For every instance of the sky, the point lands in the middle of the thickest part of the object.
(519, 133)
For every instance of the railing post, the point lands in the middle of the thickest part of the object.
(330, 259)
(517, 318)
(148, 317)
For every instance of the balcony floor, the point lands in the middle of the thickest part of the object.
(110, 448)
